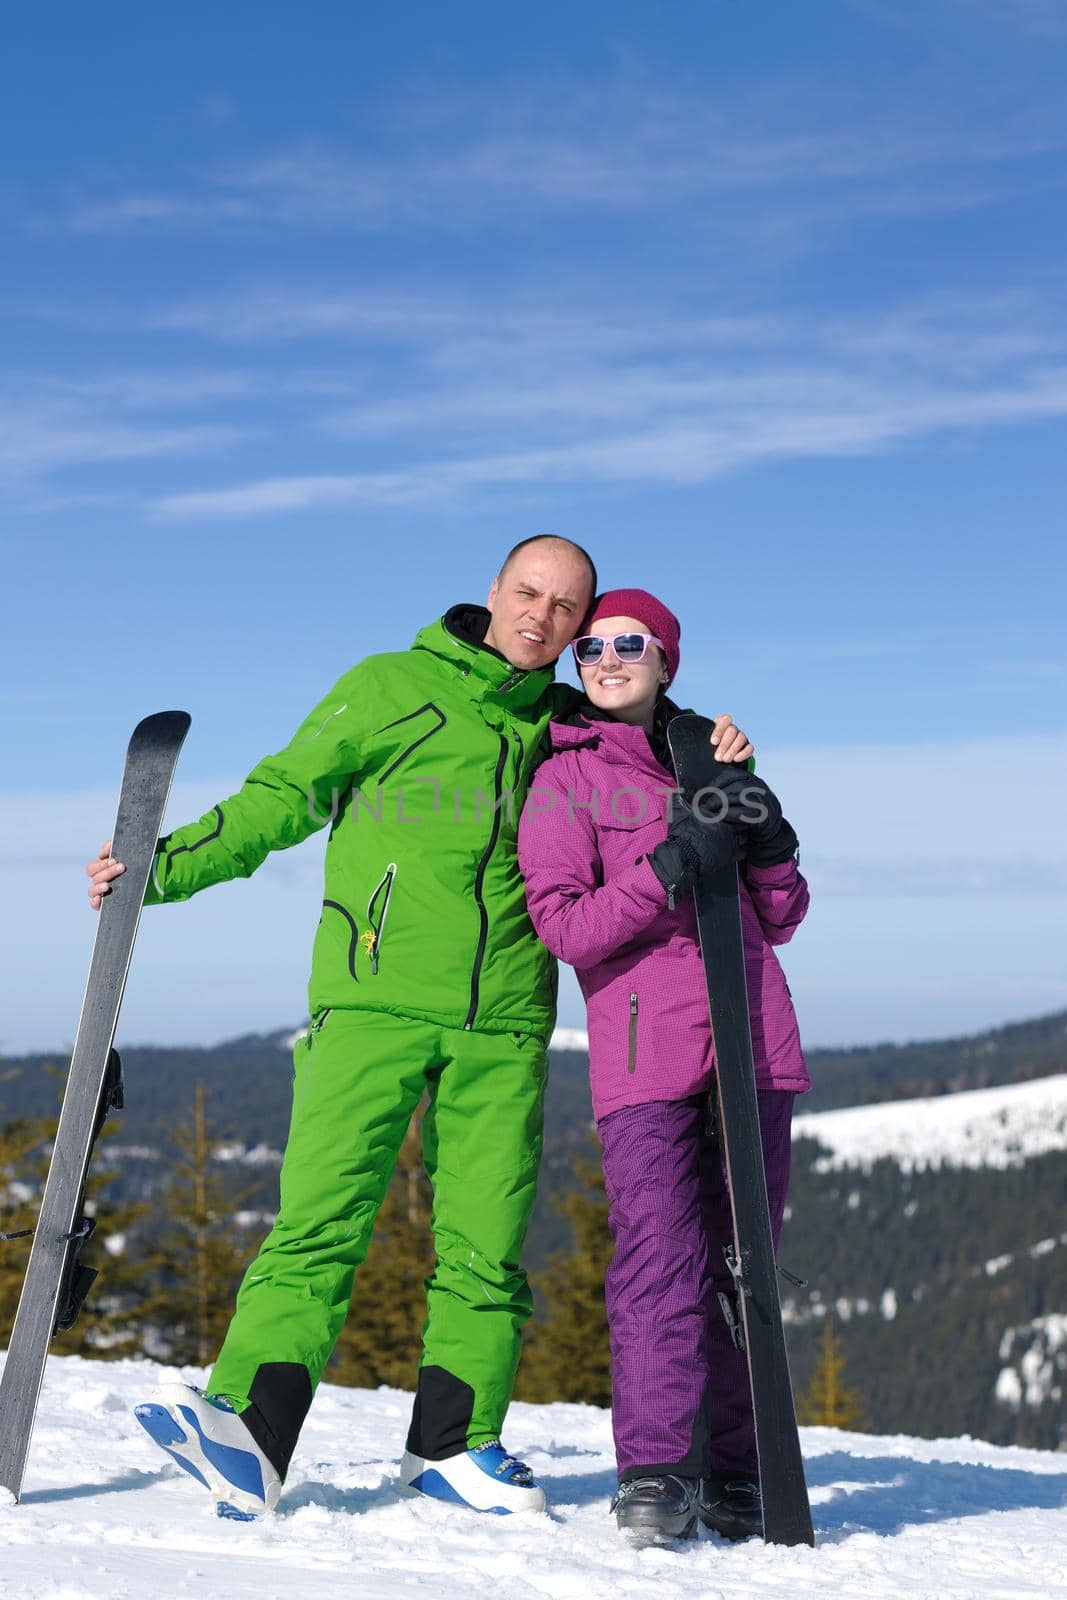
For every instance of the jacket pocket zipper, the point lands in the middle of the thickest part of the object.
(316, 1025)
(479, 883)
(410, 749)
(631, 1063)
(372, 939)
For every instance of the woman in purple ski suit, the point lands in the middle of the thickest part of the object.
(608, 863)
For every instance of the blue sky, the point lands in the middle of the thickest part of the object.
(305, 322)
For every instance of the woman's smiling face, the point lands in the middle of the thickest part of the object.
(628, 690)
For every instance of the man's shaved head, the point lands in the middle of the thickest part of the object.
(554, 538)
(538, 600)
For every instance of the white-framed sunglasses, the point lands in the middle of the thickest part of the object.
(628, 647)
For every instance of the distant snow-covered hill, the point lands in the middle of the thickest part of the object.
(1001, 1127)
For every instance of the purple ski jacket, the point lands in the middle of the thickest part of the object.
(597, 806)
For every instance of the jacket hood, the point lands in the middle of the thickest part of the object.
(586, 726)
(459, 638)
(469, 624)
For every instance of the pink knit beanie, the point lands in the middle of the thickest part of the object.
(638, 603)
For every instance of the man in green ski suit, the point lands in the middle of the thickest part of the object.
(426, 978)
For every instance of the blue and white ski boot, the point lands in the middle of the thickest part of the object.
(485, 1479)
(206, 1437)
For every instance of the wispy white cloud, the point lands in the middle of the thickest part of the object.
(145, 209)
(178, 388)
(559, 336)
(682, 402)
(692, 451)
(553, 145)
(280, 315)
(54, 430)
(35, 442)
(1028, 669)
(425, 396)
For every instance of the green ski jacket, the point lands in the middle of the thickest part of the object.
(419, 763)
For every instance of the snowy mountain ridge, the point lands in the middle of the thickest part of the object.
(562, 1039)
(1000, 1127)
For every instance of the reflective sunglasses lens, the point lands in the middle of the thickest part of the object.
(630, 646)
(588, 651)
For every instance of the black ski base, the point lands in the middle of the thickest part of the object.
(753, 1312)
(57, 1279)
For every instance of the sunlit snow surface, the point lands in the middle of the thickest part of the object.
(1001, 1127)
(104, 1514)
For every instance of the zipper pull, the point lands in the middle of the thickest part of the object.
(369, 941)
(631, 1052)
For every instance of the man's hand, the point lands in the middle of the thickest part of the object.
(730, 743)
(101, 871)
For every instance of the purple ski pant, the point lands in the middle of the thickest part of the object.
(681, 1400)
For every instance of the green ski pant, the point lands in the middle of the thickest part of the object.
(359, 1075)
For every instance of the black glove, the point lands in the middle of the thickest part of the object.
(755, 811)
(744, 801)
(692, 847)
(720, 799)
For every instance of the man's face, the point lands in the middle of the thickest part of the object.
(537, 604)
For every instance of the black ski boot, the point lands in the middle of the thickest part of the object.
(658, 1508)
(730, 1504)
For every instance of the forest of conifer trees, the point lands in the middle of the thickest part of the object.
(902, 1325)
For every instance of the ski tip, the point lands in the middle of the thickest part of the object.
(689, 740)
(170, 725)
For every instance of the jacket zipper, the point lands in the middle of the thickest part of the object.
(442, 721)
(631, 1063)
(372, 939)
(479, 881)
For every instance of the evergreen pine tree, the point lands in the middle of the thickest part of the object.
(200, 1254)
(382, 1338)
(828, 1402)
(567, 1355)
(20, 1147)
(104, 1327)
(109, 1323)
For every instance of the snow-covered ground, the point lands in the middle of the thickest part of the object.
(104, 1514)
(1001, 1127)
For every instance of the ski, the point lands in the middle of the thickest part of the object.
(56, 1280)
(757, 1323)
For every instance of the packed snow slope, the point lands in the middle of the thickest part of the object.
(104, 1514)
